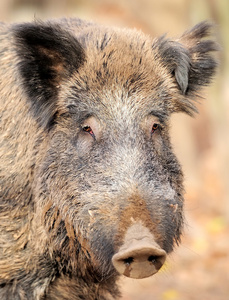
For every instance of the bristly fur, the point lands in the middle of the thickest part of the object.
(69, 195)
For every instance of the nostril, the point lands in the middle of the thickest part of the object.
(157, 261)
(128, 260)
(152, 258)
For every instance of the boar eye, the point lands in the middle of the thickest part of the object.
(88, 129)
(155, 127)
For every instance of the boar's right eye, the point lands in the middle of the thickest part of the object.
(155, 127)
(88, 129)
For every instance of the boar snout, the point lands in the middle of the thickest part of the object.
(139, 256)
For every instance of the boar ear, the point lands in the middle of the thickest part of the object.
(191, 61)
(176, 59)
(202, 61)
(47, 55)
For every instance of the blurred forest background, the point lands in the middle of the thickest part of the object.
(199, 268)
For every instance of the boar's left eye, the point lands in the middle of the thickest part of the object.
(88, 129)
(155, 127)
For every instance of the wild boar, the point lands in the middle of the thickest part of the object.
(90, 186)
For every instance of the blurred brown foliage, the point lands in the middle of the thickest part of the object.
(199, 268)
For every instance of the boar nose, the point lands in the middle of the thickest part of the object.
(139, 256)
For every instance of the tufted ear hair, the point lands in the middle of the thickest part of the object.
(47, 54)
(190, 60)
(176, 58)
(203, 62)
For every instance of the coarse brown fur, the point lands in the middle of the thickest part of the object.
(67, 196)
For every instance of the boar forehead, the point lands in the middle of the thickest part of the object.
(121, 72)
